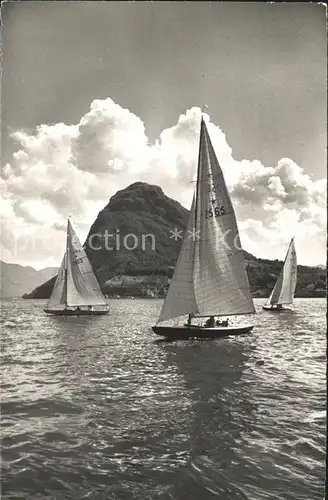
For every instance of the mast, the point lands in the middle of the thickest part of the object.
(198, 171)
(197, 195)
(197, 186)
(66, 265)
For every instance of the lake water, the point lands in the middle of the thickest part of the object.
(99, 408)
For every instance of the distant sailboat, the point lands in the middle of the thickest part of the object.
(284, 289)
(210, 275)
(76, 291)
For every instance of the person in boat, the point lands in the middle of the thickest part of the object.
(90, 308)
(279, 306)
(189, 320)
(222, 323)
(210, 322)
(78, 309)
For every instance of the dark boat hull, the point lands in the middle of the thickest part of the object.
(275, 309)
(82, 312)
(189, 332)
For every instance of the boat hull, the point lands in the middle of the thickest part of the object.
(67, 312)
(189, 332)
(275, 309)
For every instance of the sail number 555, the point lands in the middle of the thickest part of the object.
(216, 212)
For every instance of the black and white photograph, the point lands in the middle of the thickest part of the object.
(163, 203)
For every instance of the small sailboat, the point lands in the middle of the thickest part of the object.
(76, 291)
(284, 289)
(210, 277)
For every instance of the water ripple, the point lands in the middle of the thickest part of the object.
(97, 408)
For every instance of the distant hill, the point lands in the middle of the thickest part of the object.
(143, 209)
(48, 272)
(16, 279)
(263, 273)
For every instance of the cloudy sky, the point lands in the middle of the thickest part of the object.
(96, 96)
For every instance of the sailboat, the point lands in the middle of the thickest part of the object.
(284, 289)
(76, 291)
(210, 277)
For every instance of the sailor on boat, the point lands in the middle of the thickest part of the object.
(210, 323)
(222, 323)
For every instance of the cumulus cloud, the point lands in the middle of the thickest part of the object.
(62, 170)
(109, 139)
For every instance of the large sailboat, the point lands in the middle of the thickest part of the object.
(210, 277)
(76, 291)
(284, 289)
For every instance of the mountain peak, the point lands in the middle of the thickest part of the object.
(139, 196)
(138, 210)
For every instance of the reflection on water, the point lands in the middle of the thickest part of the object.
(98, 408)
(219, 414)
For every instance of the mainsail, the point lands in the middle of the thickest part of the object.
(76, 284)
(210, 275)
(58, 295)
(284, 289)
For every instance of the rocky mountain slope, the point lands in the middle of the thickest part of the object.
(144, 210)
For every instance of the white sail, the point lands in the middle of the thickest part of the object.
(82, 286)
(284, 289)
(58, 295)
(76, 284)
(220, 279)
(180, 298)
(212, 263)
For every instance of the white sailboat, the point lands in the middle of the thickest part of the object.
(284, 289)
(210, 275)
(76, 291)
